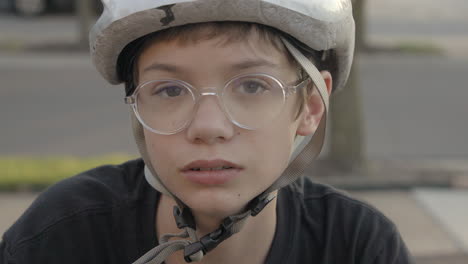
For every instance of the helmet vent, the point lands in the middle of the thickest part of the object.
(165, 21)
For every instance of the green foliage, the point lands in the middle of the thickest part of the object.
(419, 48)
(36, 173)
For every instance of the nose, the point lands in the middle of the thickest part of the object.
(210, 124)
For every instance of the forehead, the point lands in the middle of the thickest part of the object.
(221, 54)
(243, 38)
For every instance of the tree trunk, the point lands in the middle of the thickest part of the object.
(361, 23)
(86, 18)
(347, 148)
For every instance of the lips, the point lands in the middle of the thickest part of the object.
(211, 172)
(211, 169)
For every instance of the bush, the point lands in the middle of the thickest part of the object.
(37, 173)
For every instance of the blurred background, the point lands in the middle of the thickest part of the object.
(397, 136)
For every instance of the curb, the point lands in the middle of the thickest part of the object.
(394, 175)
(447, 259)
(58, 47)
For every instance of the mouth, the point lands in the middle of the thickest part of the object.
(211, 165)
(211, 172)
(211, 169)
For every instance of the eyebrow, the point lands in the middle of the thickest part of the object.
(253, 63)
(237, 66)
(162, 67)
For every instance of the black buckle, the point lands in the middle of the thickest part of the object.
(191, 250)
(185, 218)
(257, 205)
(211, 240)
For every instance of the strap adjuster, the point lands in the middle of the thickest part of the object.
(184, 218)
(257, 204)
(211, 240)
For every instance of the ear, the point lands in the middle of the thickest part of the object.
(313, 108)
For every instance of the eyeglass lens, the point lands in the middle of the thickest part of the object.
(249, 101)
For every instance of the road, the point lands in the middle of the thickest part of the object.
(59, 105)
(414, 106)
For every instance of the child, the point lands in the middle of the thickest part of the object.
(229, 102)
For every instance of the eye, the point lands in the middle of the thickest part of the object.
(252, 86)
(169, 90)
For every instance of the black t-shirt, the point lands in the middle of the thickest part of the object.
(107, 215)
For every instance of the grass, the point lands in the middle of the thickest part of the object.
(419, 48)
(12, 46)
(37, 173)
(407, 47)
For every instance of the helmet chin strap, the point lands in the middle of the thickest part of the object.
(305, 150)
(155, 182)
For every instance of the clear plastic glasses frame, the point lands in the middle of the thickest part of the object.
(197, 93)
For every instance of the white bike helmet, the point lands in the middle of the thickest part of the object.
(320, 25)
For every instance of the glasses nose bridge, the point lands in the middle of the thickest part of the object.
(211, 90)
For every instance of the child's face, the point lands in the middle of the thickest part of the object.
(211, 140)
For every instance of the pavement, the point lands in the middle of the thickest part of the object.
(432, 220)
(427, 230)
(420, 22)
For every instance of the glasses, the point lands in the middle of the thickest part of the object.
(249, 101)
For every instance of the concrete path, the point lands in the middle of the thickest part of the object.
(12, 205)
(424, 236)
(450, 210)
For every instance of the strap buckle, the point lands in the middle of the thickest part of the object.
(257, 204)
(224, 231)
(184, 218)
(211, 240)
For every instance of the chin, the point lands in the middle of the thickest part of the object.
(215, 203)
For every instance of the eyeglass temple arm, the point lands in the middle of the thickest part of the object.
(293, 89)
(129, 100)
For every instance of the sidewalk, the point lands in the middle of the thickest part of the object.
(426, 236)
(419, 22)
(389, 24)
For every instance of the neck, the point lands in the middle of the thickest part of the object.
(250, 245)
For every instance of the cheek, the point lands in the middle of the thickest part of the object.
(275, 143)
(161, 151)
